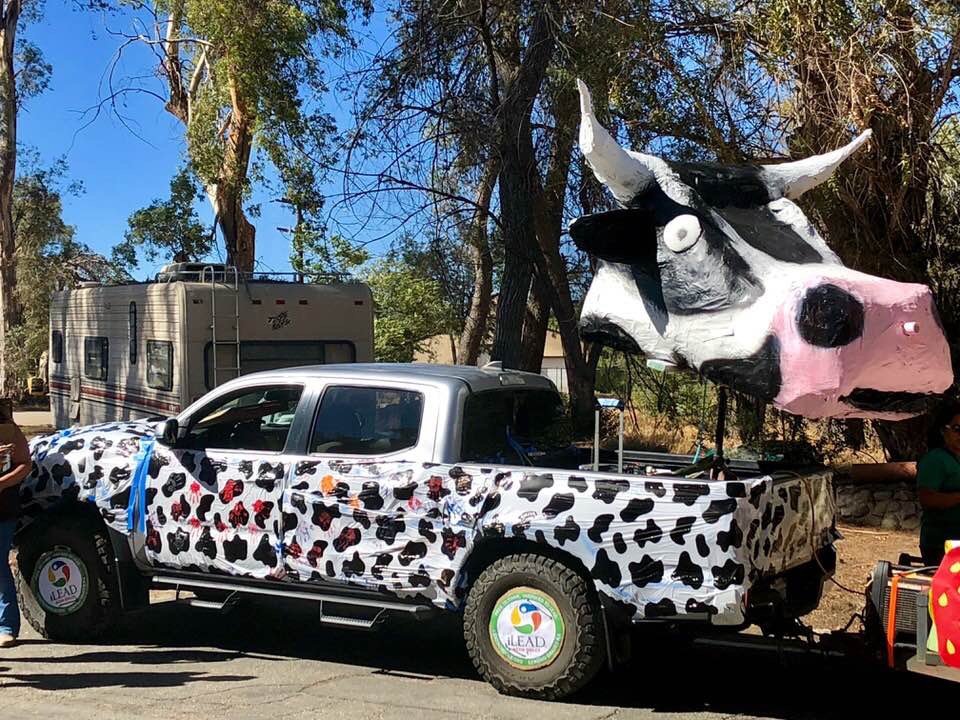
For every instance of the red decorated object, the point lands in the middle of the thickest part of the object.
(945, 603)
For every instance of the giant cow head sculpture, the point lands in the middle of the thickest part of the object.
(716, 269)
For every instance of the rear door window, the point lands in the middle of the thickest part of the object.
(366, 421)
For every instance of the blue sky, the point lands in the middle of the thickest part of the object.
(121, 172)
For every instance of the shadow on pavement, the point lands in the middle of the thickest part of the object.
(665, 676)
(87, 680)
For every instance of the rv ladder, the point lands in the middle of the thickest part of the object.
(230, 281)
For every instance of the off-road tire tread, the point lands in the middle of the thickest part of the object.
(588, 627)
(102, 579)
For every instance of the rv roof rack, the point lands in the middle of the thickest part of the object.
(202, 272)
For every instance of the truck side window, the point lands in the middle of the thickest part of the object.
(257, 419)
(512, 427)
(96, 351)
(366, 421)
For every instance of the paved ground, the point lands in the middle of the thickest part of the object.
(257, 662)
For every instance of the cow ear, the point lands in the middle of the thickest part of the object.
(621, 236)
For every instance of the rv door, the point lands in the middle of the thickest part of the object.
(75, 384)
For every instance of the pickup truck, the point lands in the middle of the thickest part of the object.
(380, 489)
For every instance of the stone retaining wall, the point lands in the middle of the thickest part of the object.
(890, 506)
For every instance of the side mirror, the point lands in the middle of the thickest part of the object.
(169, 432)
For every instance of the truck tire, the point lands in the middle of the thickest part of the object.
(534, 627)
(66, 578)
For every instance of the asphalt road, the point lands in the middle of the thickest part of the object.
(173, 661)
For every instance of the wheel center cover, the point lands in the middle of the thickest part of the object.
(60, 582)
(526, 628)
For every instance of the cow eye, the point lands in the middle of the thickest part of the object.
(682, 233)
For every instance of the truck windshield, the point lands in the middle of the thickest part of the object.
(512, 426)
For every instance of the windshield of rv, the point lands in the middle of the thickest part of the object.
(511, 426)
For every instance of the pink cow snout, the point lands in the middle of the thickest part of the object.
(860, 346)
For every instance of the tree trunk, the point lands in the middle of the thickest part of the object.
(535, 325)
(9, 305)
(475, 326)
(238, 233)
(518, 183)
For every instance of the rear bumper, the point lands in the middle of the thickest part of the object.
(792, 594)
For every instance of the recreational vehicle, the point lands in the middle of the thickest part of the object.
(119, 352)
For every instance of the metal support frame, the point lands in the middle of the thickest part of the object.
(228, 274)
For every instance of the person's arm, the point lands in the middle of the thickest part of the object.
(936, 500)
(21, 462)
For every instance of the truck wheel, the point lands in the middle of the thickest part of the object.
(66, 578)
(534, 628)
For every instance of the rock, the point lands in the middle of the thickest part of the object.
(881, 495)
(905, 495)
(889, 522)
(879, 507)
(910, 523)
(872, 520)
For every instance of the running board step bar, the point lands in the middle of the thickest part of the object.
(286, 592)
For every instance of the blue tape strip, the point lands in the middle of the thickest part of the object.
(137, 505)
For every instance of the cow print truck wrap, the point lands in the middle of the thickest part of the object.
(657, 546)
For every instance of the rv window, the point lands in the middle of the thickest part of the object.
(56, 346)
(257, 419)
(367, 421)
(95, 353)
(259, 355)
(133, 333)
(160, 364)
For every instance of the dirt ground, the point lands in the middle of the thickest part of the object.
(857, 553)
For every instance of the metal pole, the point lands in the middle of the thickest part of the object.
(596, 440)
(620, 446)
(721, 421)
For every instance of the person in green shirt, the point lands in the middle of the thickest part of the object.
(938, 481)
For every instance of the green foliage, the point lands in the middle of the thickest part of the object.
(314, 254)
(166, 229)
(409, 308)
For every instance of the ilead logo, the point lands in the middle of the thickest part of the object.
(60, 583)
(526, 628)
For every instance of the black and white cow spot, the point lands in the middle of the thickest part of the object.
(231, 488)
(71, 445)
(688, 572)
(324, 515)
(652, 533)
(268, 474)
(412, 552)
(683, 526)
(703, 548)
(655, 488)
(206, 545)
(606, 489)
(298, 503)
(204, 506)
(265, 552)
(175, 482)
(354, 567)
(347, 538)
(569, 531)
(381, 563)
(719, 508)
(577, 483)
(362, 518)
(306, 467)
(403, 493)
(290, 522)
(560, 502)
(427, 530)
(388, 527)
(732, 537)
(619, 544)
(370, 496)
(420, 579)
(316, 552)
(736, 490)
(606, 570)
(452, 542)
(646, 572)
(532, 485)
(689, 493)
(178, 542)
(730, 573)
(635, 508)
(601, 523)
(695, 606)
(660, 609)
(239, 516)
(245, 468)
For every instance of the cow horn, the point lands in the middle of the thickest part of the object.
(793, 179)
(625, 173)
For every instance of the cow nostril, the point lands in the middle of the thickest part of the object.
(830, 317)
